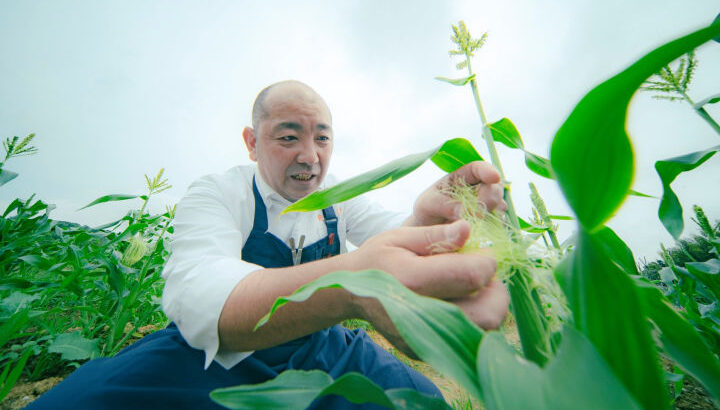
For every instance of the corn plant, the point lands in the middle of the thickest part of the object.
(688, 275)
(672, 84)
(69, 292)
(605, 355)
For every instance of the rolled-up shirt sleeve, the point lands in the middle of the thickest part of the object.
(204, 267)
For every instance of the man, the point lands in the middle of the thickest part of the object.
(233, 255)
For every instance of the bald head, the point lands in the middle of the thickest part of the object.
(283, 90)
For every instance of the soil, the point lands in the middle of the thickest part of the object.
(693, 396)
(25, 392)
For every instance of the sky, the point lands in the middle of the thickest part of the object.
(115, 90)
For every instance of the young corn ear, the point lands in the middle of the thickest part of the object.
(136, 251)
(512, 249)
(488, 230)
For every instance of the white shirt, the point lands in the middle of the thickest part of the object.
(212, 222)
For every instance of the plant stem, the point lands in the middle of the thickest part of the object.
(701, 112)
(525, 301)
(494, 157)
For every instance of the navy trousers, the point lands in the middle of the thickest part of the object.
(162, 372)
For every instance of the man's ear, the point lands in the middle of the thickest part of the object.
(250, 142)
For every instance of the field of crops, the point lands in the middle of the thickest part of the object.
(70, 293)
(590, 329)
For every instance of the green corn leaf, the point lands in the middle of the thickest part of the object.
(577, 378)
(9, 330)
(73, 346)
(561, 217)
(437, 331)
(707, 273)
(618, 251)
(640, 194)
(9, 377)
(455, 153)
(7, 176)
(670, 210)
(456, 81)
(109, 198)
(297, 389)
(677, 337)
(710, 100)
(17, 301)
(13, 284)
(591, 153)
(539, 165)
(450, 156)
(528, 227)
(292, 389)
(680, 340)
(115, 277)
(505, 132)
(607, 308)
(358, 389)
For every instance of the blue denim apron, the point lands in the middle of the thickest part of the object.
(161, 371)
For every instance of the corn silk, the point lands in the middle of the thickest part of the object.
(512, 248)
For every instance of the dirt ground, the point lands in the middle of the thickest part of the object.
(25, 392)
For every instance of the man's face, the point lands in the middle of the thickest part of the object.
(292, 144)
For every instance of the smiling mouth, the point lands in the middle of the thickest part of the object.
(302, 177)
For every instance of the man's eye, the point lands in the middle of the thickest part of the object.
(288, 138)
(323, 138)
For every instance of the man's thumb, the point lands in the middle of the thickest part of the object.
(427, 240)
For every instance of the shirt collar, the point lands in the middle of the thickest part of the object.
(268, 194)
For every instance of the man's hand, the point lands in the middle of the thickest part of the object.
(408, 253)
(434, 207)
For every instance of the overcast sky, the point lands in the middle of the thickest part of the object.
(118, 89)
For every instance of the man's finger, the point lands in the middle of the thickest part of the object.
(488, 307)
(426, 240)
(477, 172)
(451, 275)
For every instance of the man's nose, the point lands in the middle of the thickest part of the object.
(308, 153)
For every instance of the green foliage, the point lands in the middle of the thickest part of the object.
(11, 373)
(688, 276)
(73, 346)
(591, 278)
(578, 165)
(509, 382)
(109, 198)
(709, 100)
(297, 389)
(606, 355)
(670, 210)
(457, 81)
(69, 292)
